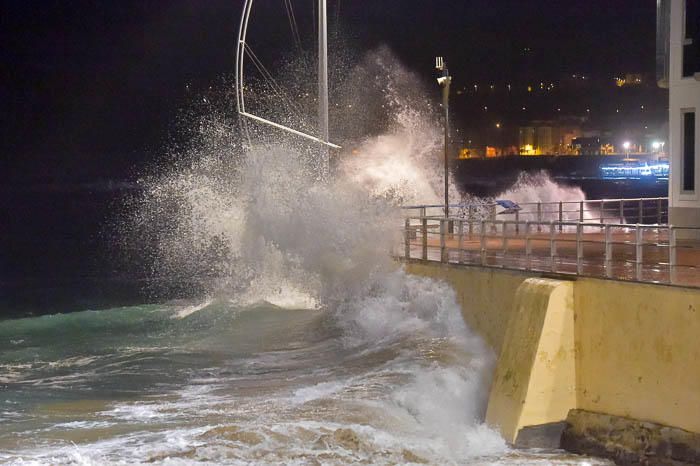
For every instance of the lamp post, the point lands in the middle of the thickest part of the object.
(626, 145)
(444, 80)
(658, 147)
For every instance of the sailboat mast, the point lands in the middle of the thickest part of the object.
(323, 85)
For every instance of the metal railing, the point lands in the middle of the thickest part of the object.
(637, 252)
(650, 210)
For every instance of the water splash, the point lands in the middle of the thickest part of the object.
(255, 225)
(405, 159)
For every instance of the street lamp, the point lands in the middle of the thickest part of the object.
(444, 80)
(626, 145)
(658, 147)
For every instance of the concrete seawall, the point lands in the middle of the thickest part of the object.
(596, 366)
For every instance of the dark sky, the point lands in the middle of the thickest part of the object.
(90, 88)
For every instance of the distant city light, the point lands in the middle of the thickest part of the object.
(626, 145)
(656, 145)
(498, 125)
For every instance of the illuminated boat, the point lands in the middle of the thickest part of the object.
(635, 170)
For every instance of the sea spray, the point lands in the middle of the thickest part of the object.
(270, 232)
(325, 349)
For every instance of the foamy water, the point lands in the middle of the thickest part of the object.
(265, 385)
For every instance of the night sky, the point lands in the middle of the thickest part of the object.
(91, 89)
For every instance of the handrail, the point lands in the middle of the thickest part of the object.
(651, 210)
(467, 204)
(650, 253)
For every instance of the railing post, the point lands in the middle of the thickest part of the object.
(482, 243)
(422, 212)
(443, 239)
(460, 241)
(492, 216)
(424, 242)
(528, 247)
(672, 254)
(504, 238)
(638, 249)
(608, 251)
(659, 211)
(407, 239)
(517, 222)
(579, 248)
(471, 221)
(641, 211)
(552, 247)
(622, 211)
(602, 211)
(561, 216)
(539, 216)
(580, 211)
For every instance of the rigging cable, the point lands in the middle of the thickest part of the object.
(279, 90)
(293, 23)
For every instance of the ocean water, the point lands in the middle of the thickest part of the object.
(220, 383)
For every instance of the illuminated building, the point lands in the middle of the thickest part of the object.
(595, 145)
(526, 140)
(678, 68)
(630, 79)
(467, 153)
(545, 140)
(547, 137)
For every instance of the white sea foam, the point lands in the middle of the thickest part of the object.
(539, 187)
(187, 310)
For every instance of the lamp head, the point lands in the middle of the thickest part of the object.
(439, 63)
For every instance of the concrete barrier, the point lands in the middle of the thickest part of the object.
(535, 379)
(624, 351)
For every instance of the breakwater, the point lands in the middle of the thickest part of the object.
(592, 365)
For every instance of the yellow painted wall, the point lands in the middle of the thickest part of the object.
(638, 351)
(637, 346)
(534, 381)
